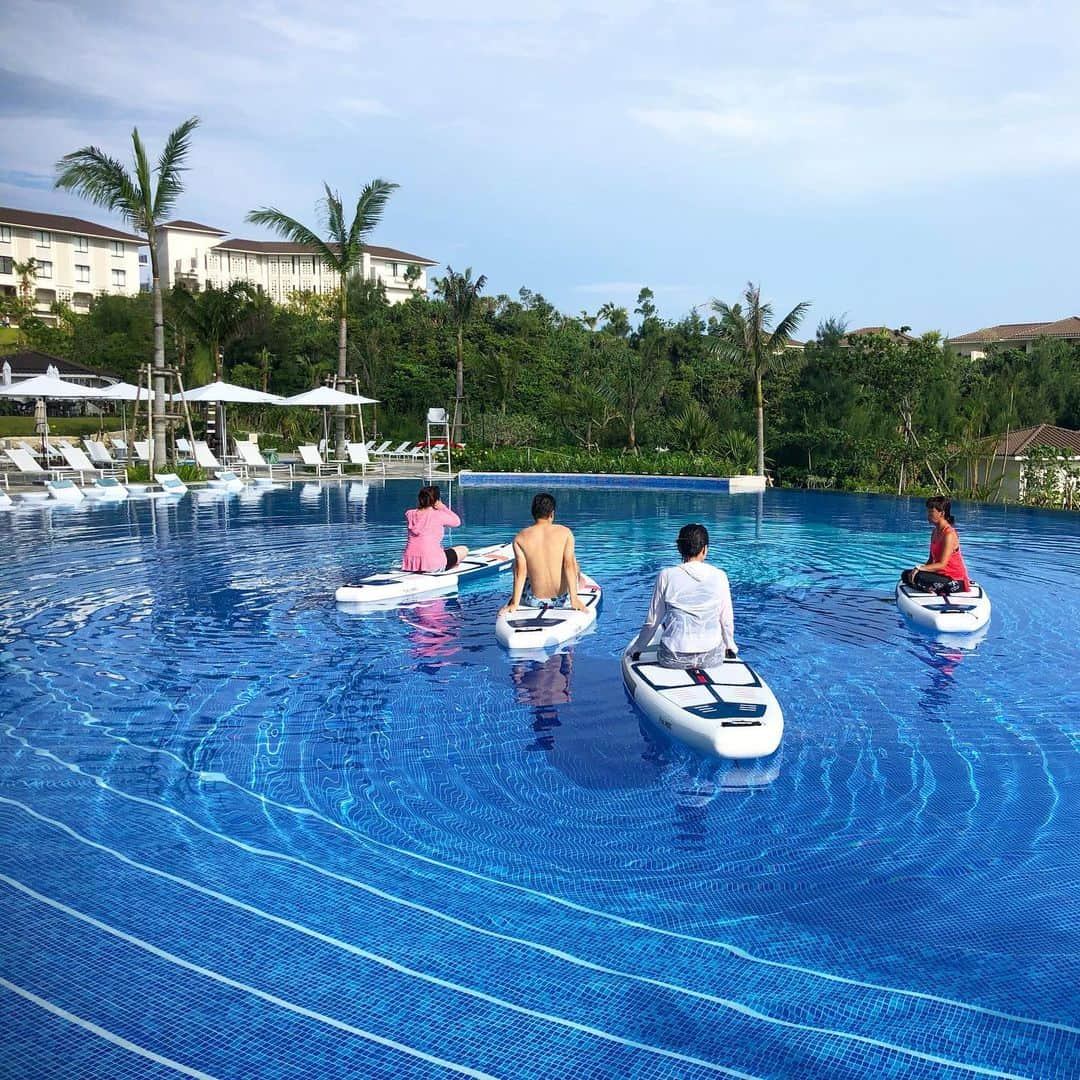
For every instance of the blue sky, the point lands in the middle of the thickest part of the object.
(905, 164)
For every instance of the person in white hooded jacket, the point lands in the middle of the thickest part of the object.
(691, 605)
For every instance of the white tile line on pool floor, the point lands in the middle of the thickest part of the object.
(103, 1033)
(737, 1007)
(364, 954)
(726, 1003)
(362, 838)
(234, 984)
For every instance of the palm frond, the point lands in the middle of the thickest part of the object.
(330, 207)
(102, 180)
(143, 180)
(170, 166)
(290, 229)
(369, 209)
(786, 327)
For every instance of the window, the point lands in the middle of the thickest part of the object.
(119, 277)
(43, 270)
(393, 269)
(82, 274)
(117, 248)
(5, 234)
(5, 264)
(82, 243)
(44, 239)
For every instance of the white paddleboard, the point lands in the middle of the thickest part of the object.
(960, 613)
(533, 628)
(726, 710)
(400, 584)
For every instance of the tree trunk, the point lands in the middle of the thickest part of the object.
(342, 369)
(760, 403)
(459, 383)
(158, 453)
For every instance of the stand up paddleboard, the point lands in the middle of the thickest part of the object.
(726, 710)
(404, 584)
(531, 628)
(961, 612)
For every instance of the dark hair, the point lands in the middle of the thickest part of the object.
(943, 506)
(429, 496)
(543, 506)
(693, 540)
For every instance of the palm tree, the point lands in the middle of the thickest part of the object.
(748, 337)
(27, 273)
(342, 252)
(459, 292)
(144, 205)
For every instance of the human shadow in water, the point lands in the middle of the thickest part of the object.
(434, 637)
(544, 685)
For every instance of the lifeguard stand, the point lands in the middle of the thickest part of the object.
(438, 429)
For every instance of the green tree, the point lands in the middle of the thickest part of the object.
(144, 205)
(459, 292)
(342, 252)
(216, 317)
(27, 274)
(748, 336)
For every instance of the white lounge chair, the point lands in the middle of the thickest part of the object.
(121, 448)
(99, 454)
(142, 451)
(171, 484)
(312, 459)
(226, 480)
(358, 455)
(27, 466)
(255, 463)
(78, 461)
(107, 489)
(399, 450)
(64, 491)
(205, 459)
(381, 449)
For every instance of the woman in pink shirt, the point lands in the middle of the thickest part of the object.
(424, 552)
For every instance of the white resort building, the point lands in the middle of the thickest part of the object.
(194, 254)
(74, 260)
(1014, 336)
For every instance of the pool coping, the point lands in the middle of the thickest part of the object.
(732, 485)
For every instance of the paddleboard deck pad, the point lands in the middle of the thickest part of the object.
(530, 629)
(961, 612)
(400, 584)
(726, 710)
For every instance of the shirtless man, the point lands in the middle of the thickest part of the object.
(545, 568)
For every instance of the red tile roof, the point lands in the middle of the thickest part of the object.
(865, 331)
(31, 219)
(1017, 442)
(1068, 327)
(193, 226)
(286, 247)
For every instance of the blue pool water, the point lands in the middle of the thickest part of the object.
(247, 834)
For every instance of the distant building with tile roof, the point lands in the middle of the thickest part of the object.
(1014, 335)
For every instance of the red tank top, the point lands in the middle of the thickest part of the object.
(955, 567)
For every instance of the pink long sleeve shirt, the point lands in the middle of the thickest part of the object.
(423, 550)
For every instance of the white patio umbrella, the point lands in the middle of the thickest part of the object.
(124, 392)
(44, 387)
(223, 393)
(326, 398)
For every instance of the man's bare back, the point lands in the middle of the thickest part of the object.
(544, 556)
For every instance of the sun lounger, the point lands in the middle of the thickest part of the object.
(64, 490)
(27, 466)
(107, 489)
(121, 448)
(78, 461)
(171, 484)
(99, 454)
(398, 451)
(311, 459)
(255, 463)
(205, 459)
(142, 451)
(381, 449)
(358, 455)
(226, 480)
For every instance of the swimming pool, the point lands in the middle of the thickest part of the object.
(246, 833)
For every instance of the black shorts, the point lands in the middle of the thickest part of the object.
(451, 558)
(928, 581)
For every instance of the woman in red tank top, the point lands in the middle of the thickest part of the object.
(946, 564)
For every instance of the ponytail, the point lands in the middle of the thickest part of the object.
(943, 506)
